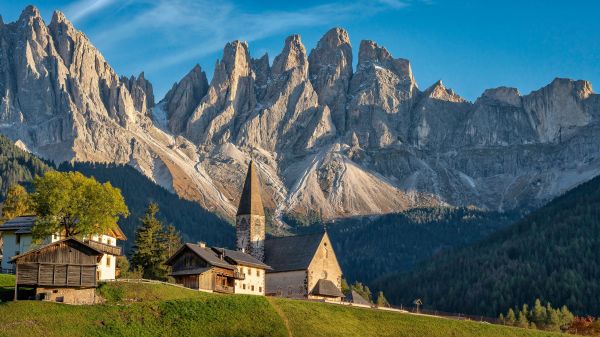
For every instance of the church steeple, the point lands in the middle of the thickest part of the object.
(250, 218)
(251, 202)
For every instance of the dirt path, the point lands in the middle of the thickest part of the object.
(282, 315)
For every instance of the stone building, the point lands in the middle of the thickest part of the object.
(303, 266)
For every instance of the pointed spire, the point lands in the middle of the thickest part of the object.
(251, 202)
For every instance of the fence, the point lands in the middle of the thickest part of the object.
(7, 271)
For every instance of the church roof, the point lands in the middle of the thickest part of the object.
(326, 288)
(251, 202)
(289, 253)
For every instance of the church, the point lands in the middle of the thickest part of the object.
(302, 266)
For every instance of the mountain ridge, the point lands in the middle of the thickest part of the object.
(326, 137)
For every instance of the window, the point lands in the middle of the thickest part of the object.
(260, 289)
(244, 286)
(252, 288)
(108, 261)
(257, 272)
(18, 239)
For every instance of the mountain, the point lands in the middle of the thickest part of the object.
(551, 254)
(327, 138)
(17, 166)
(370, 247)
(191, 220)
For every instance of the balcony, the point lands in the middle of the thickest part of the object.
(239, 276)
(105, 248)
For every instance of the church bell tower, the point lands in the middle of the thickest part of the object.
(250, 218)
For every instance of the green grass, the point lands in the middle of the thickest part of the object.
(7, 283)
(159, 310)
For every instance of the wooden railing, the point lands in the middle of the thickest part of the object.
(223, 289)
(239, 276)
(105, 248)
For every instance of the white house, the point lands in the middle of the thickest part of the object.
(18, 239)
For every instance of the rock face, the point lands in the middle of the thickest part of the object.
(326, 140)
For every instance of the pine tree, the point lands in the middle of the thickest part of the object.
(522, 321)
(565, 317)
(382, 301)
(149, 251)
(510, 317)
(552, 319)
(345, 287)
(172, 240)
(538, 314)
(502, 319)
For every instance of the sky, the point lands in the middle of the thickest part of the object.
(469, 45)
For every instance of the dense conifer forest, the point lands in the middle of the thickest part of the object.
(17, 166)
(551, 254)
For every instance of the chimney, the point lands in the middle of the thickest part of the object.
(202, 244)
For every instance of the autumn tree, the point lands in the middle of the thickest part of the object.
(17, 203)
(74, 205)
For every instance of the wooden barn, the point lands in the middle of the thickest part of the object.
(62, 271)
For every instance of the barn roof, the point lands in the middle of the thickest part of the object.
(326, 288)
(241, 258)
(251, 201)
(289, 253)
(71, 241)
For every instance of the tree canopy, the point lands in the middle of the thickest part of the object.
(17, 203)
(74, 205)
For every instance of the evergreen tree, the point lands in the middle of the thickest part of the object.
(362, 290)
(172, 240)
(538, 314)
(17, 203)
(565, 317)
(345, 287)
(382, 301)
(522, 320)
(552, 319)
(510, 317)
(501, 318)
(149, 251)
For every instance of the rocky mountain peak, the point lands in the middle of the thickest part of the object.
(235, 61)
(293, 56)
(262, 72)
(371, 54)
(330, 70)
(183, 98)
(30, 12)
(503, 95)
(440, 92)
(59, 17)
(141, 92)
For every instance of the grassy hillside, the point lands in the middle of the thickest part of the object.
(552, 254)
(159, 310)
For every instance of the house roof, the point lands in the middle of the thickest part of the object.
(205, 253)
(22, 224)
(251, 201)
(71, 240)
(240, 258)
(326, 288)
(289, 253)
(355, 297)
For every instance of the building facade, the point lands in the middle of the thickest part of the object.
(213, 269)
(17, 239)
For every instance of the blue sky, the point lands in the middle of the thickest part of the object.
(470, 45)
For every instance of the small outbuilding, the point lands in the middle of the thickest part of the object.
(62, 271)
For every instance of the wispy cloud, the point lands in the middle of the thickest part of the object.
(195, 28)
(83, 8)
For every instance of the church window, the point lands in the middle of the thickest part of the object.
(325, 251)
(324, 274)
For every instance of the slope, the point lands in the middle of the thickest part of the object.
(17, 166)
(161, 310)
(551, 254)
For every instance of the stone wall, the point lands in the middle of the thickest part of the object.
(67, 295)
(324, 266)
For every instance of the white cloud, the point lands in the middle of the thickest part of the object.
(194, 28)
(83, 8)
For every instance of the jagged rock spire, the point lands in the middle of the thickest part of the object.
(251, 202)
